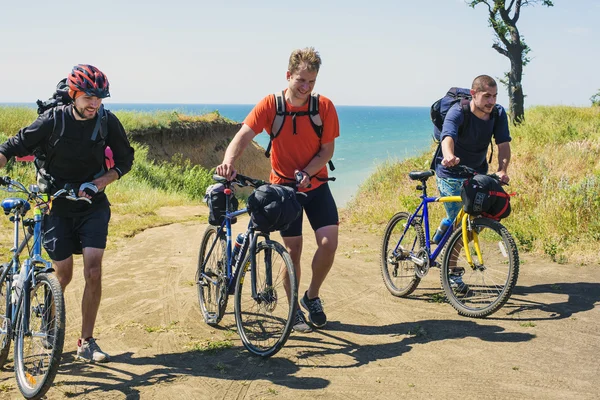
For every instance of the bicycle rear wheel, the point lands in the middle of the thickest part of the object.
(211, 279)
(480, 290)
(5, 322)
(264, 321)
(40, 336)
(398, 270)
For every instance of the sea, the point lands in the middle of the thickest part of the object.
(369, 136)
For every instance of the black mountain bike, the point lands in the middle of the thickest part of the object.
(262, 279)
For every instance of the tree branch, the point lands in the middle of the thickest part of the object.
(496, 26)
(489, 6)
(517, 11)
(500, 49)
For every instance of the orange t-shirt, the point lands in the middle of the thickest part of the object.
(291, 152)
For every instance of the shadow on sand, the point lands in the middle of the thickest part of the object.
(238, 365)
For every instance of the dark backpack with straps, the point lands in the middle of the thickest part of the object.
(281, 113)
(440, 108)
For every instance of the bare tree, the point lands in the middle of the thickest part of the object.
(595, 99)
(510, 43)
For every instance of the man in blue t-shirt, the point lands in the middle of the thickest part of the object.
(470, 147)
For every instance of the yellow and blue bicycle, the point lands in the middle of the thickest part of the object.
(480, 260)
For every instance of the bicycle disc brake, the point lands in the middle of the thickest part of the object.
(422, 270)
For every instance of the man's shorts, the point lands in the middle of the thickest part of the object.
(320, 209)
(450, 187)
(65, 236)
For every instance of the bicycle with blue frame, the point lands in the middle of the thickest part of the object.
(32, 310)
(479, 250)
(261, 278)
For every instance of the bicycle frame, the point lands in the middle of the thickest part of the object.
(33, 260)
(249, 244)
(422, 214)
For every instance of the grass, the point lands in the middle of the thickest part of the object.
(555, 172)
(162, 328)
(527, 324)
(211, 346)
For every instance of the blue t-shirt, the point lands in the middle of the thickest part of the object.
(472, 144)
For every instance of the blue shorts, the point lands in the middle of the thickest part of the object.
(320, 209)
(65, 236)
(450, 187)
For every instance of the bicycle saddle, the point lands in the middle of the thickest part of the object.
(421, 175)
(13, 203)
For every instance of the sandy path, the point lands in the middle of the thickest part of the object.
(544, 344)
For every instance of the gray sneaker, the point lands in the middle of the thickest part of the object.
(300, 324)
(456, 281)
(88, 350)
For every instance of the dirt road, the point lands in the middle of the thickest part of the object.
(544, 343)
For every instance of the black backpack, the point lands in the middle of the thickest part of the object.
(440, 108)
(59, 98)
(216, 199)
(483, 195)
(56, 105)
(273, 207)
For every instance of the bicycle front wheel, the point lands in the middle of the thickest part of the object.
(211, 279)
(5, 322)
(397, 268)
(483, 288)
(265, 303)
(40, 336)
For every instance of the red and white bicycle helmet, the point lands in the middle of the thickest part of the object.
(88, 79)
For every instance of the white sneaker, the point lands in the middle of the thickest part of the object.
(88, 350)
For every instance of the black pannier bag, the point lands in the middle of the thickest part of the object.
(483, 195)
(273, 207)
(215, 198)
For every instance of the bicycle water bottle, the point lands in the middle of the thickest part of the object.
(236, 247)
(18, 285)
(439, 233)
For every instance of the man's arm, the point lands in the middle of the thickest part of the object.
(454, 119)
(238, 144)
(503, 161)
(317, 163)
(448, 157)
(3, 160)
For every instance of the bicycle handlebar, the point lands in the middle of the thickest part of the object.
(469, 172)
(240, 180)
(19, 187)
(70, 195)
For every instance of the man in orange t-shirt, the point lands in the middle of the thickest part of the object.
(298, 150)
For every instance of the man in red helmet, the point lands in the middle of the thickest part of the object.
(71, 139)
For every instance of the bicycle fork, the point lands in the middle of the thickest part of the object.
(466, 230)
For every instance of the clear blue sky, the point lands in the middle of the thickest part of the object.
(392, 52)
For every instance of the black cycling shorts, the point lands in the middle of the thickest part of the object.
(320, 210)
(65, 236)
